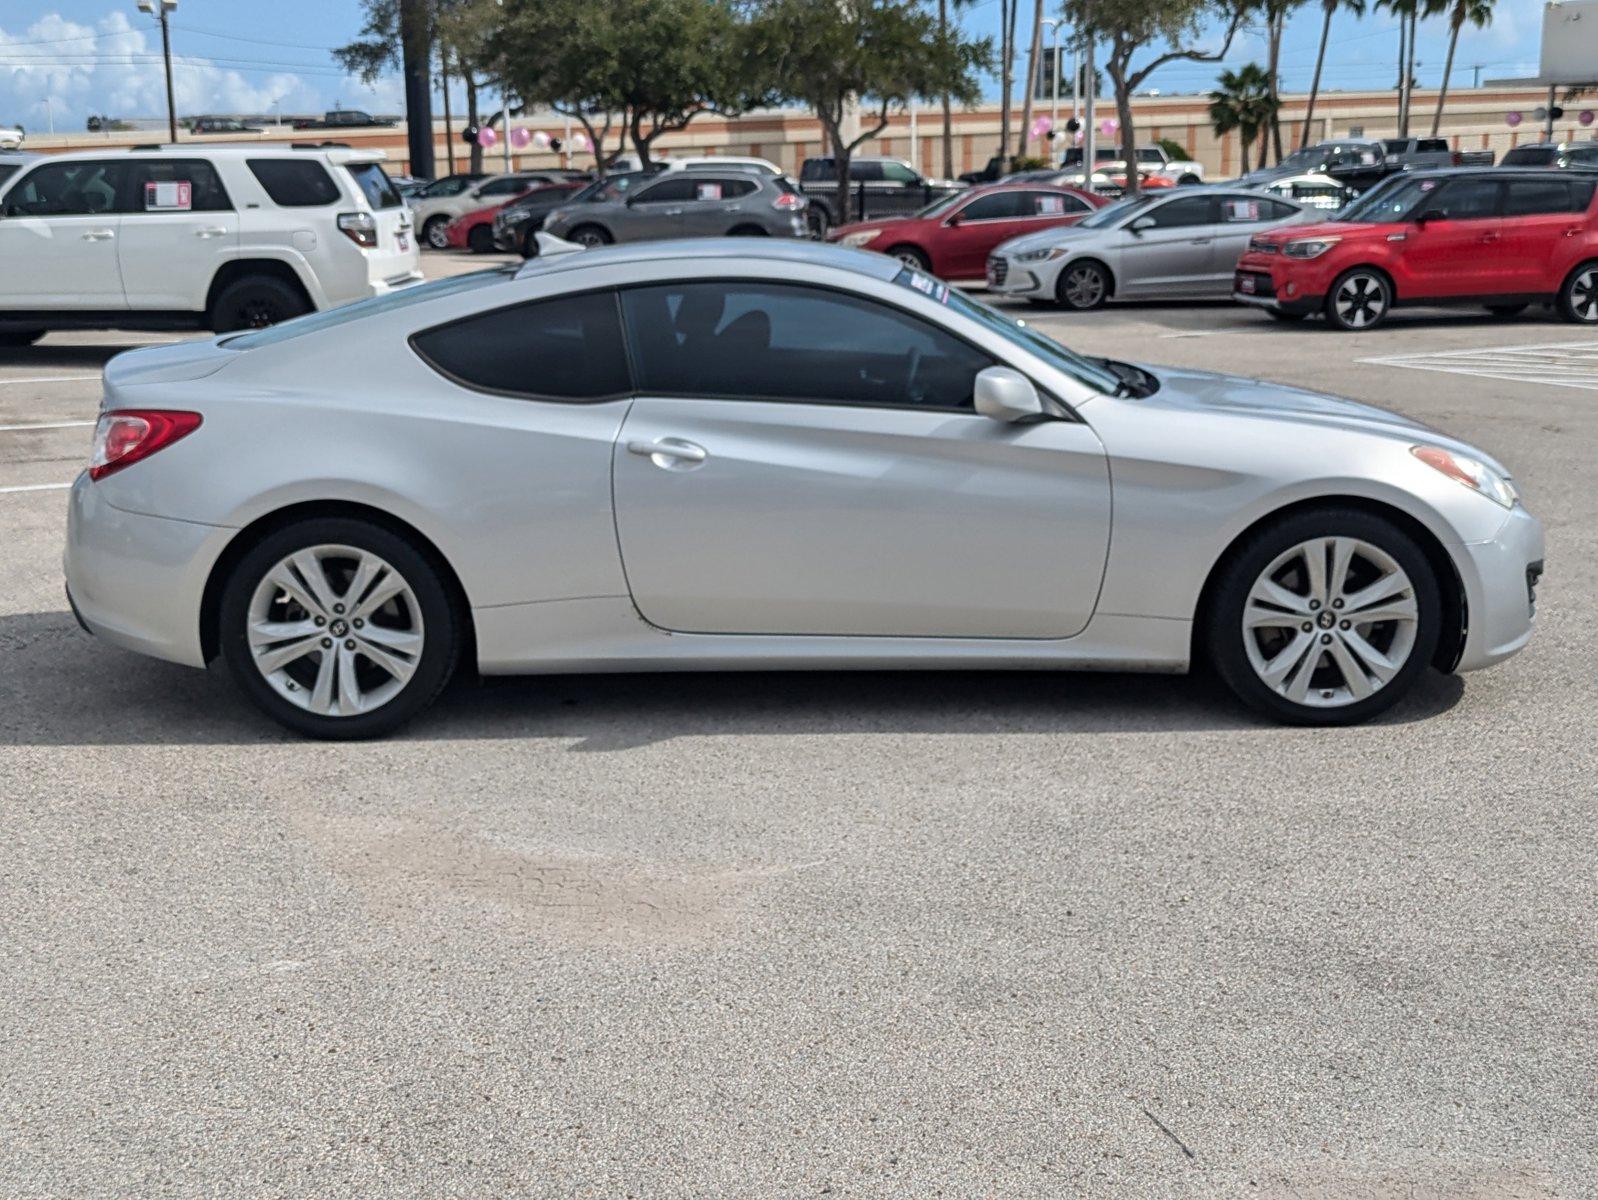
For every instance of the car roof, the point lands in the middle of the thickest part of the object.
(774, 251)
(337, 151)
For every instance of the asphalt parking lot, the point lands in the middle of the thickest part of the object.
(987, 934)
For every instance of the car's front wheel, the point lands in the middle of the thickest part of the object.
(436, 233)
(1083, 286)
(590, 235)
(1326, 617)
(912, 258)
(338, 628)
(1360, 299)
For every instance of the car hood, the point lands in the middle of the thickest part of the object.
(1278, 234)
(1058, 236)
(1221, 395)
(874, 226)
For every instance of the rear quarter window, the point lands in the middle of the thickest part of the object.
(374, 185)
(295, 182)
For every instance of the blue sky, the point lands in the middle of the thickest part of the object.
(89, 56)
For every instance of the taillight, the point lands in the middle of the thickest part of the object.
(123, 437)
(359, 227)
(787, 201)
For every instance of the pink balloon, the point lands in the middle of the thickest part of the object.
(1108, 126)
(1586, 116)
(519, 137)
(487, 137)
(1041, 126)
(1512, 119)
(1077, 137)
(579, 141)
(541, 140)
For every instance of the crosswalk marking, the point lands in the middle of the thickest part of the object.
(1557, 364)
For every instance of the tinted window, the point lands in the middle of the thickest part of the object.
(777, 341)
(375, 185)
(151, 187)
(1582, 190)
(870, 172)
(452, 186)
(1053, 204)
(722, 189)
(66, 190)
(1432, 145)
(899, 173)
(998, 206)
(1530, 156)
(1528, 197)
(1190, 210)
(1586, 155)
(1467, 199)
(295, 182)
(569, 348)
(504, 187)
(672, 190)
(1246, 210)
(7, 170)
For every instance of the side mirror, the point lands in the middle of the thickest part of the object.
(1004, 394)
(1142, 223)
(1431, 214)
(954, 219)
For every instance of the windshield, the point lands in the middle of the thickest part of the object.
(1112, 213)
(937, 207)
(331, 318)
(1390, 201)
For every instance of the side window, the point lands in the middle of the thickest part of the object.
(997, 206)
(374, 184)
(1054, 204)
(678, 188)
(503, 187)
(869, 172)
(1467, 200)
(894, 172)
(568, 348)
(71, 189)
(295, 182)
(736, 340)
(1190, 210)
(1531, 197)
(175, 185)
(1245, 210)
(1582, 190)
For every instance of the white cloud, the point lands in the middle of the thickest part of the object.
(114, 67)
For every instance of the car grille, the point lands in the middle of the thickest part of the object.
(1534, 573)
(998, 269)
(1257, 284)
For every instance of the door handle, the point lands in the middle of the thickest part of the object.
(674, 212)
(1200, 242)
(669, 449)
(1572, 233)
(211, 232)
(99, 235)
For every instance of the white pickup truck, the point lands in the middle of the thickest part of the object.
(10, 139)
(1151, 160)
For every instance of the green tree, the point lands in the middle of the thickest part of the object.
(1480, 14)
(1329, 8)
(834, 55)
(1243, 102)
(1131, 25)
(945, 100)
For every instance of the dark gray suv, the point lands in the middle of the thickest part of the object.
(685, 204)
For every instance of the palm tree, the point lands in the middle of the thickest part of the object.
(1328, 9)
(1275, 14)
(1243, 102)
(1480, 14)
(1408, 14)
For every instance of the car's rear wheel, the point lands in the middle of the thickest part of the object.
(1505, 311)
(19, 337)
(1083, 286)
(1578, 299)
(590, 235)
(816, 219)
(338, 628)
(912, 258)
(255, 302)
(1326, 617)
(1359, 300)
(480, 240)
(436, 233)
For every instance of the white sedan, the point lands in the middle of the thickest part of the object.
(742, 454)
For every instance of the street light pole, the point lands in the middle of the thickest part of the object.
(1054, 24)
(163, 9)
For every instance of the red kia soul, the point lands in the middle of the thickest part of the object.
(1499, 238)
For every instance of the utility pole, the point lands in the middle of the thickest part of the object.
(163, 9)
(416, 59)
(1090, 134)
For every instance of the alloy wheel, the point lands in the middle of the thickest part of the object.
(1084, 287)
(1330, 621)
(335, 630)
(437, 233)
(1584, 295)
(1361, 301)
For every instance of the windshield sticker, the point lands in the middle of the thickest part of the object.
(171, 196)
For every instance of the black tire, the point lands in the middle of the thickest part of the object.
(590, 235)
(255, 302)
(1578, 298)
(1369, 297)
(910, 256)
(1188, 181)
(530, 244)
(1286, 318)
(1225, 637)
(434, 235)
(17, 338)
(747, 231)
(442, 625)
(1083, 286)
(1505, 311)
(818, 220)
(480, 240)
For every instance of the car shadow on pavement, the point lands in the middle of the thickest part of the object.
(61, 687)
(64, 358)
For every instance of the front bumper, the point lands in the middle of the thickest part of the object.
(1499, 575)
(1007, 277)
(138, 581)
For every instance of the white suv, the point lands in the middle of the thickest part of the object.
(185, 237)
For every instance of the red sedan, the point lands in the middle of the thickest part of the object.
(952, 237)
(473, 231)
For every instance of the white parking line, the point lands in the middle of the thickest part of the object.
(1560, 364)
(48, 379)
(36, 487)
(45, 425)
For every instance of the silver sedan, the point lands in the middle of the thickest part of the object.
(726, 454)
(1177, 244)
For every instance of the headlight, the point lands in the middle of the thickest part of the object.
(859, 239)
(1475, 475)
(1309, 247)
(1038, 255)
(558, 215)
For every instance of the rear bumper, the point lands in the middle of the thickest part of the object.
(1499, 575)
(138, 581)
